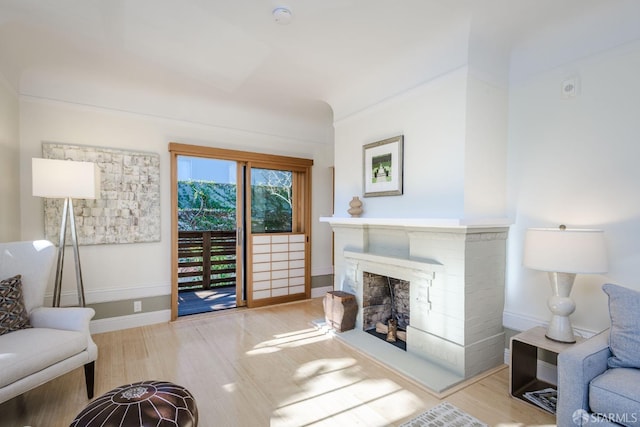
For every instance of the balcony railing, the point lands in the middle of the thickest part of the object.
(206, 259)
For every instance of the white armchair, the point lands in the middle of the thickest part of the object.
(58, 340)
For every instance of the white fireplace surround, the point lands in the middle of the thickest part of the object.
(456, 273)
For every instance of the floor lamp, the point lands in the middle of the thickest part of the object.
(66, 179)
(563, 253)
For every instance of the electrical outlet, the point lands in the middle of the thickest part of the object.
(137, 306)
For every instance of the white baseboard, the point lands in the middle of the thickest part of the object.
(70, 298)
(129, 321)
(518, 322)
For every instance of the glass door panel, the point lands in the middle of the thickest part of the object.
(258, 203)
(208, 263)
(271, 201)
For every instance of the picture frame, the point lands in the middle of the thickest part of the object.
(383, 167)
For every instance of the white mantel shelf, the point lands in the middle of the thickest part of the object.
(417, 222)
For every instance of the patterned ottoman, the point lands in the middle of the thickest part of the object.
(146, 403)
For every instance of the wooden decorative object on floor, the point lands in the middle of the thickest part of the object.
(340, 309)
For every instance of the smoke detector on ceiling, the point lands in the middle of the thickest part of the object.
(282, 15)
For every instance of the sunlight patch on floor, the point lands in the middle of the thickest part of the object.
(230, 388)
(323, 366)
(262, 350)
(294, 333)
(339, 390)
(289, 340)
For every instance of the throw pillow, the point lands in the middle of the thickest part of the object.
(624, 336)
(13, 315)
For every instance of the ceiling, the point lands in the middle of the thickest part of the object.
(331, 53)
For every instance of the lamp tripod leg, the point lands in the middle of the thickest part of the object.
(67, 212)
(57, 286)
(76, 253)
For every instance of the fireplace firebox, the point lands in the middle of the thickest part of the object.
(386, 299)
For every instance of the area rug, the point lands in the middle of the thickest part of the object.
(445, 414)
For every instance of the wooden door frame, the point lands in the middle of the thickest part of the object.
(240, 238)
(250, 159)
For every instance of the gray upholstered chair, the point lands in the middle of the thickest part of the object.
(38, 344)
(599, 379)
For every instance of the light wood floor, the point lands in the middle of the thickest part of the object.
(263, 367)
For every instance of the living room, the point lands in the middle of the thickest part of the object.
(536, 130)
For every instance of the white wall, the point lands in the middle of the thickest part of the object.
(575, 162)
(113, 272)
(485, 176)
(454, 131)
(431, 118)
(9, 164)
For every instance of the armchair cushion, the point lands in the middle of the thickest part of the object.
(69, 318)
(616, 394)
(13, 315)
(33, 350)
(624, 338)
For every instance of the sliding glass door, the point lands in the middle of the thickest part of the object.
(240, 229)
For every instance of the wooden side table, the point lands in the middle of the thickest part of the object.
(523, 366)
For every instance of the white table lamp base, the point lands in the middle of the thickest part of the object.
(561, 306)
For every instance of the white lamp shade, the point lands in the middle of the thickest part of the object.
(565, 251)
(65, 178)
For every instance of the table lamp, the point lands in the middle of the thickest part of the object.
(66, 179)
(563, 253)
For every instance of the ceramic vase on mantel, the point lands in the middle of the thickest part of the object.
(355, 207)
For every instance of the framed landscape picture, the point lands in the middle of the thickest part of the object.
(383, 167)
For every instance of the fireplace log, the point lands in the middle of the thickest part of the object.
(381, 328)
(392, 335)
